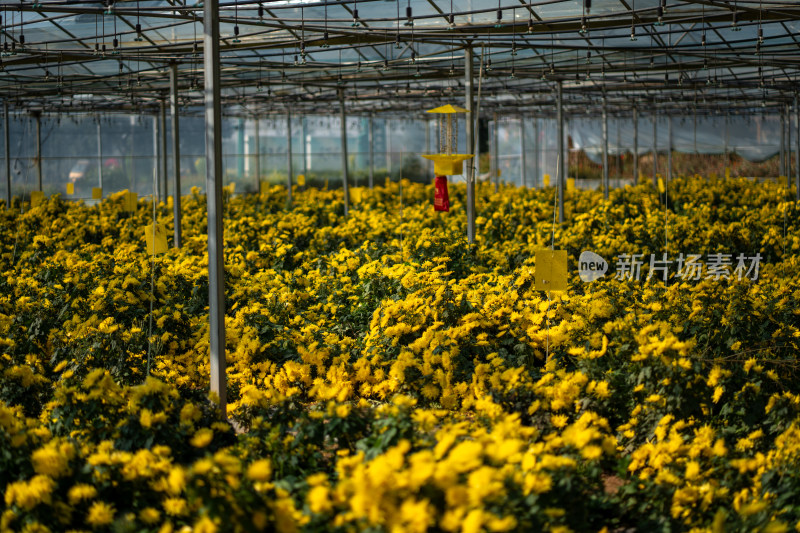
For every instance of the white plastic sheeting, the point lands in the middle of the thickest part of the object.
(754, 138)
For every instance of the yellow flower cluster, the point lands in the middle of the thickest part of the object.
(386, 375)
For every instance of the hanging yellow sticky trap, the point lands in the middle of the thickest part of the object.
(661, 188)
(97, 193)
(156, 239)
(37, 197)
(301, 180)
(231, 187)
(356, 194)
(499, 172)
(326, 183)
(130, 201)
(546, 180)
(551, 270)
(387, 181)
(70, 188)
(727, 173)
(263, 187)
(570, 184)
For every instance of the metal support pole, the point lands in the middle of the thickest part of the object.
(257, 126)
(725, 147)
(635, 145)
(345, 184)
(156, 167)
(536, 148)
(655, 148)
(782, 161)
(164, 165)
(787, 113)
(306, 146)
(6, 137)
(176, 153)
(605, 149)
(522, 162)
(289, 169)
(99, 155)
(562, 167)
(371, 142)
(496, 158)
(427, 141)
(669, 149)
(796, 149)
(39, 150)
(216, 271)
(471, 148)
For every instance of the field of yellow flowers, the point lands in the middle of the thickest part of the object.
(385, 375)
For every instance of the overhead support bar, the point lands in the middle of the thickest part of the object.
(216, 272)
(176, 154)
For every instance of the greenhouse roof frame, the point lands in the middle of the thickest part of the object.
(669, 56)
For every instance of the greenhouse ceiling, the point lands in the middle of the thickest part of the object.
(398, 57)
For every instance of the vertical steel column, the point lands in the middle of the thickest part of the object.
(289, 169)
(796, 149)
(496, 158)
(371, 142)
(428, 141)
(306, 143)
(176, 153)
(782, 161)
(669, 149)
(605, 148)
(216, 266)
(522, 162)
(156, 167)
(536, 148)
(257, 126)
(725, 147)
(345, 184)
(471, 148)
(6, 137)
(788, 115)
(562, 166)
(635, 145)
(38, 116)
(655, 147)
(99, 155)
(164, 165)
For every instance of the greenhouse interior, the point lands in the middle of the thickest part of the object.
(400, 266)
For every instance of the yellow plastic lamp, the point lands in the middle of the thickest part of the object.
(448, 163)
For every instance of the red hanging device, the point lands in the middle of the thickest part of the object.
(441, 199)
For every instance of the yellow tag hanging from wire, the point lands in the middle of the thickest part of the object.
(263, 187)
(387, 181)
(546, 180)
(551, 270)
(70, 188)
(231, 187)
(570, 184)
(97, 193)
(356, 194)
(301, 180)
(156, 238)
(130, 201)
(37, 197)
(661, 187)
(727, 173)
